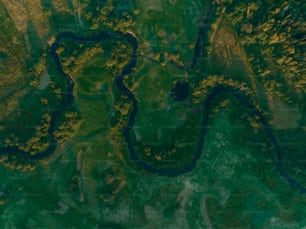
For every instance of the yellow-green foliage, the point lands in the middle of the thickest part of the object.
(275, 37)
(119, 58)
(68, 127)
(210, 82)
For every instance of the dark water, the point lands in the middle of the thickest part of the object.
(3, 55)
(180, 91)
(68, 98)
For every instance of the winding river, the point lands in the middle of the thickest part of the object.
(67, 98)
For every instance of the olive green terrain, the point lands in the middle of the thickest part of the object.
(92, 180)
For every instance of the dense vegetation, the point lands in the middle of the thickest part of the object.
(254, 47)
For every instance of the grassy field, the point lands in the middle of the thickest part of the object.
(90, 180)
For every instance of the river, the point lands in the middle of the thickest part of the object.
(67, 98)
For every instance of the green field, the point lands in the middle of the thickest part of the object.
(98, 176)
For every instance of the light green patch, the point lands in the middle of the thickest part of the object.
(44, 80)
(284, 115)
